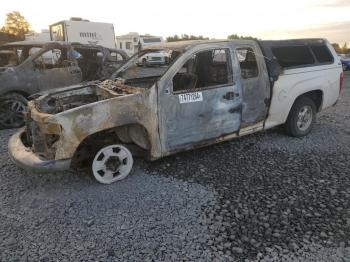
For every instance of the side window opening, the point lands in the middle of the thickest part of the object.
(53, 58)
(293, 56)
(90, 62)
(322, 53)
(203, 70)
(128, 45)
(248, 62)
(116, 57)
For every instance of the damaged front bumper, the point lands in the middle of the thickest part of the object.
(25, 158)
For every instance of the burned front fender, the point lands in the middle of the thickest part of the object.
(84, 121)
(25, 158)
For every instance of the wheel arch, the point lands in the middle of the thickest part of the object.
(315, 95)
(135, 136)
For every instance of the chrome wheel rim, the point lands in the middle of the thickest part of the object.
(12, 113)
(304, 118)
(112, 163)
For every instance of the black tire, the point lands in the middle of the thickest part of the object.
(12, 107)
(294, 125)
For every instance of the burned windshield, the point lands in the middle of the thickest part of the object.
(145, 68)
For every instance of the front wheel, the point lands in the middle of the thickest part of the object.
(12, 109)
(112, 163)
(301, 117)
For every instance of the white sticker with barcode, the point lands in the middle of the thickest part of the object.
(190, 97)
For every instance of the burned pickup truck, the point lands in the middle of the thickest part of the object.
(29, 67)
(210, 91)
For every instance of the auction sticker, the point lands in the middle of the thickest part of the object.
(190, 97)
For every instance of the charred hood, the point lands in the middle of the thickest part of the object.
(68, 98)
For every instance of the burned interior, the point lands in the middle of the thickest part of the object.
(204, 69)
(15, 54)
(96, 63)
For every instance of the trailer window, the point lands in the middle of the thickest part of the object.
(204, 70)
(322, 53)
(57, 32)
(128, 45)
(293, 56)
(248, 63)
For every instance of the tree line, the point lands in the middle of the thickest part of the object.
(16, 25)
(341, 49)
(185, 37)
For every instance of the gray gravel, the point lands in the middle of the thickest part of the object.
(265, 197)
(70, 217)
(307, 253)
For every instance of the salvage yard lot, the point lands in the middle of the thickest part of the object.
(265, 196)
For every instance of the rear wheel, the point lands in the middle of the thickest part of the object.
(12, 108)
(112, 163)
(301, 117)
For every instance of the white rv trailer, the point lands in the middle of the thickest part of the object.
(83, 31)
(133, 42)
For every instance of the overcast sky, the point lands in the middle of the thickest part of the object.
(266, 19)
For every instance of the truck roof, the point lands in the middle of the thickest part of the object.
(36, 43)
(184, 45)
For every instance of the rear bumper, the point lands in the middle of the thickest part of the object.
(25, 158)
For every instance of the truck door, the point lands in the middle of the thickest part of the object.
(201, 100)
(54, 69)
(255, 84)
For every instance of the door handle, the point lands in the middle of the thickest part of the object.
(229, 96)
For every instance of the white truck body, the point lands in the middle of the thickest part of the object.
(84, 32)
(295, 82)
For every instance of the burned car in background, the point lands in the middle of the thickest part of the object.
(29, 67)
(210, 91)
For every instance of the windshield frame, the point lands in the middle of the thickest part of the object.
(133, 59)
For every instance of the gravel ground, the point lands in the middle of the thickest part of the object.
(265, 197)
